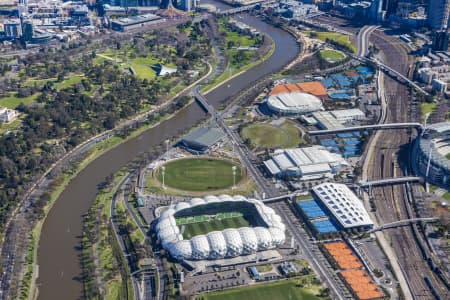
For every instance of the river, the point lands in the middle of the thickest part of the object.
(58, 253)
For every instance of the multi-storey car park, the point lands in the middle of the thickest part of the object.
(434, 154)
(266, 230)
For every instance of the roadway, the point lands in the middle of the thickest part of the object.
(363, 39)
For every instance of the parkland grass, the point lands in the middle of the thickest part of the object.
(200, 174)
(280, 290)
(13, 101)
(269, 136)
(339, 38)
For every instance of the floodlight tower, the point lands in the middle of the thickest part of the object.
(432, 145)
(167, 147)
(233, 168)
(163, 170)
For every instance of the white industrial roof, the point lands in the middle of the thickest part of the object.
(326, 120)
(294, 103)
(308, 160)
(344, 114)
(343, 204)
(220, 244)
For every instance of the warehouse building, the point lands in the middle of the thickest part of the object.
(128, 23)
(308, 163)
(346, 208)
(335, 119)
(202, 139)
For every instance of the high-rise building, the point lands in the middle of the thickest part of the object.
(27, 30)
(12, 28)
(390, 6)
(188, 5)
(438, 12)
(440, 40)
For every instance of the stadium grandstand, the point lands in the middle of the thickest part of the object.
(296, 99)
(308, 163)
(265, 229)
(434, 154)
(315, 88)
(202, 139)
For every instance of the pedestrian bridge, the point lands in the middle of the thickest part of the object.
(402, 223)
(387, 181)
(392, 71)
(367, 127)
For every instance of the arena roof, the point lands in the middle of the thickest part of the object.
(437, 138)
(343, 204)
(294, 103)
(308, 160)
(203, 138)
(315, 88)
(219, 244)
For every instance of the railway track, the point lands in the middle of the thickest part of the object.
(392, 202)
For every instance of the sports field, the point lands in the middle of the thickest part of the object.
(280, 290)
(332, 55)
(192, 226)
(199, 174)
(269, 136)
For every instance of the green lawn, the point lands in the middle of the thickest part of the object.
(427, 108)
(281, 290)
(332, 55)
(339, 38)
(446, 196)
(269, 136)
(14, 125)
(193, 229)
(68, 82)
(13, 101)
(199, 174)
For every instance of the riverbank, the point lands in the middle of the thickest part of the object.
(78, 195)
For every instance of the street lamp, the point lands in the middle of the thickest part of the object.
(167, 147)
(233, 168)
(163, 170)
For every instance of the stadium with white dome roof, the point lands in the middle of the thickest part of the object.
(434, 154)
(263, 231)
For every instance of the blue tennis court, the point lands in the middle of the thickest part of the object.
(328, 82)
(350, 153)
(352, 148)
(334, 149)
(342, 80)
(339, 96)
(328, 143)
(311, 209)
(324, 226)
(351, 141)
(345, 135)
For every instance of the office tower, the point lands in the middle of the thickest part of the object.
(438, 12)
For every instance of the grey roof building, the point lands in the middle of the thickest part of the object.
(200, 140)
